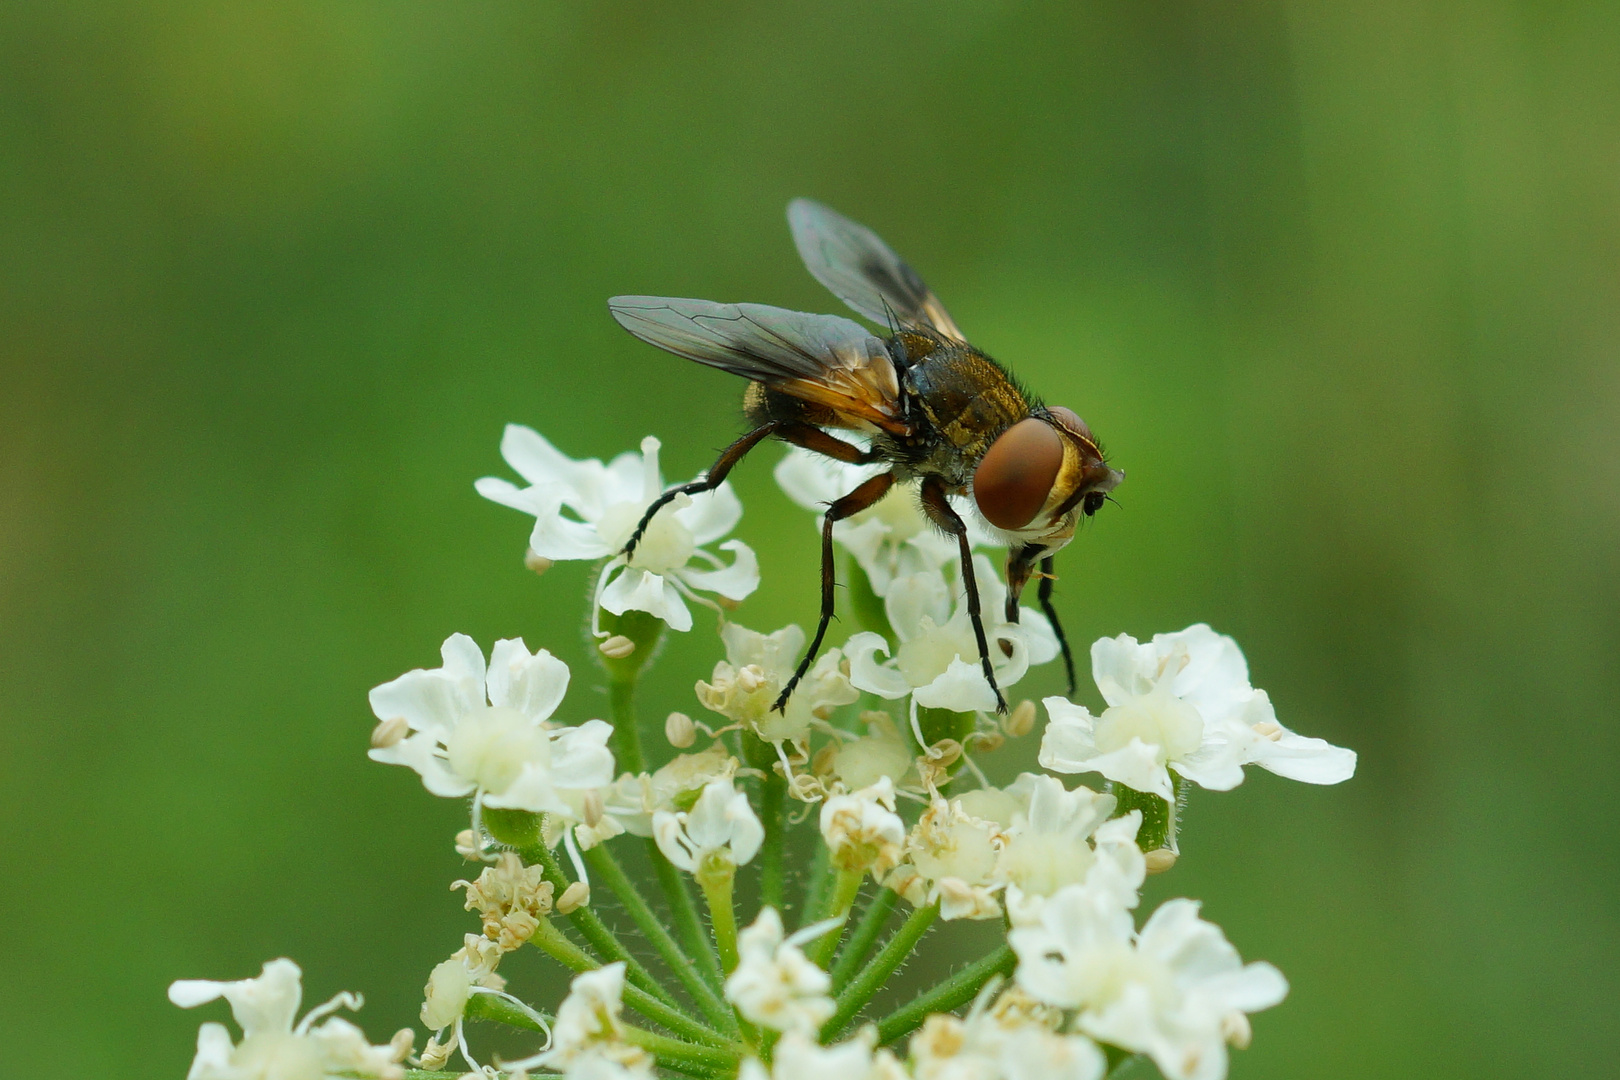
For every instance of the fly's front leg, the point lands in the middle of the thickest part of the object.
(940, 511)
(867, 494)
(1044, 594)
(711, 480)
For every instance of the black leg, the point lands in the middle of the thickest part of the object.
(939, 509)
(811, 438)
(868, 493)
(1044, 594)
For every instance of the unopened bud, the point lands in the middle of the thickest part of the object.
(945, 752)
(1021, 721)
(434, 1055)
(1268, 729)
(617, 647)
(680, 731)
(401, 1045)
(467, 845)
(1159, 861)
(389, 733)
(574, 897)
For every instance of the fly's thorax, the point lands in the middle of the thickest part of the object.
(966, 400)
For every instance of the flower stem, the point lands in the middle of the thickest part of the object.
(499, 1011)
(844, 892)
(874, 975)
(959, 989)
(592, 928)
(773, 855)
(684, 911)
(607, 868)
(865, 937)
(549, 939)
(716, 883)
(626, 731)
(815, 890)
(674, 1051)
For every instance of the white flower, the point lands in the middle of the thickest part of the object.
(452, 982)
(1011, 1041)
(798, 1057)
(1065, 838)
(721, 825)
(1182, 702)
(482, 732)
(587, 1038)
(607, 502)
(1176, 991)
(938, 658)
(750, 679)
(880, 753)
(775, 985)
(273, 1047)
(951, 858)
(862, 831)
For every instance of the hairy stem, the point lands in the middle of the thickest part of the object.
(687, 923)
(549, 939)
(676, 1052)
(843, 898)
(626, 737)
(862, 941)
(860, 990)
(959, 989)
(592, 928)
(773, 855)
(607, 868)
(716, 883)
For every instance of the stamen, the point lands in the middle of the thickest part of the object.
(652, 484)
(574, 856)
(345, 1000)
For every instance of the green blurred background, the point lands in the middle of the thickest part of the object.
(1337, 284)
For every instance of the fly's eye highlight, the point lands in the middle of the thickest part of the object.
(1016, 474)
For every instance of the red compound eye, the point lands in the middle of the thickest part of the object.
(1017, 472)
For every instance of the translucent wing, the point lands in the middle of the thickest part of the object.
(825, 359)
(861, 270)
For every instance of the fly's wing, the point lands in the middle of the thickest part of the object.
(861, 270)
(823, 359)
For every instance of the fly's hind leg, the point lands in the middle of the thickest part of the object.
(867, 494)
(940, 511)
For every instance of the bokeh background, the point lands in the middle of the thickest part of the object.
(1337, 284)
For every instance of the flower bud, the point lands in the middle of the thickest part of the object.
(389, 733)
(984, 742)
(617, 647)
(1159, 860)
(1021, 721)
(680, 731)
(574, 897)
(1235, 1027)
(945, 753)
(537, 562)
(468, 846)
(435, 1054)
(592, 808)
(750, 678)
(401, 1045)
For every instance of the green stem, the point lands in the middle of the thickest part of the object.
(816, 888)
(864, 938)
(773, 855)
(716, 884)
(821, 950)
(959, 989)
(673, 1051)
(592, 928)
(687, 924)
(500, 1011)
(607, 868)
(626, 731)
(549, 939)
(874, 975)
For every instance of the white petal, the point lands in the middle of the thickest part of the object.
(1115, 665)
(533, 685)
(736, 582)
(189, 993)
(580, 756)
(1298, 757)
(213, 1058)
(711, 514)
(420, 752)
(534, 458)
(961, 688)
(268, 1003)
(866, 673)
(912, 598)
(1216, 678)
(1070, 737)
(1254, 987)
(560, 538)
(643, 590)
(530, 500)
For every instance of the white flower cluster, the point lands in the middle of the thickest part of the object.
(886, 733)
